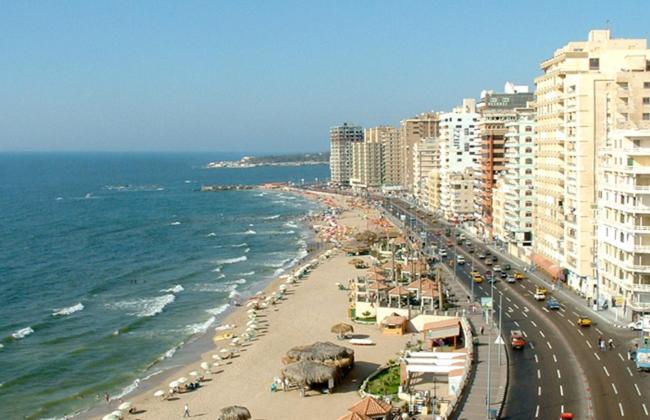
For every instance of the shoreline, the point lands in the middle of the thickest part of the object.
(195, 349)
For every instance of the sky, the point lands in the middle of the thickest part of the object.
(264, 76)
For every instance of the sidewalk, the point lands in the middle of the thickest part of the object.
(567, 295)
(472, 403)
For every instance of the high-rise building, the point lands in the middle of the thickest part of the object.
(588, 89)
(413, 131)
(459, 151)
(623, 218)
(426, 158)
(367, 165)
(341, 140)
(392, 163)
(496, 110)
(457, 195)
(515, 227)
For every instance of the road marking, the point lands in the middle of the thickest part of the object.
(606, 371)
(559, 313)
(620, 407)
(558, 374)
(508, 299)
(524, 313)
(537, 411)
(508, 315)
(580, 332)
(522, 286)
(575, 313)
(524, 333)
(569, 321)
(620, 356)
(543, 308)
(531, 346)
(554, 358)
(599, 331)
(561, 391)
(516, 323)
(516, 306)
(614, 387)
(536, 359)
(539, 391)
(637, 389)
(629, 371)
(510, 309)
(533, 322)
(645, 409)
(588, 343)
(480, 287)
(549, 345)
(539, 374)
(597, 357)
(562, 408)
(542, 333)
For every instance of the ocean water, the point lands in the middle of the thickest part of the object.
(110, 262)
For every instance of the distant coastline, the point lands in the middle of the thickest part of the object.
(300, 159)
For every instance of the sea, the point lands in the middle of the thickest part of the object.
(112, 263)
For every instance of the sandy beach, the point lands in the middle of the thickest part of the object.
(306, 314)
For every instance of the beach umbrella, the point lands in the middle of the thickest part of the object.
(251, 303)
(159, 393)
(260, 293)
(118, 414)
(224, 351)
(125, 406)
(216, 364)
(235, 413)
(194, 373)
(173, 384)
(181, 380)
(342, 329)
(111, 417)
(205, 366)
(251, 311)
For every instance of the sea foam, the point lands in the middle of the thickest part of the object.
(200, 327)
(22, 333)
(250, 232)
(146, 307)
(276, 216)
(69, 310)
(176, 289)
(232, 260)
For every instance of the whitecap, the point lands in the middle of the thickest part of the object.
(215, 288)
(276, 216)
(251, 225)
(225, 327)
(200, 327)
(232, 260)
(22, 333)
(260, 195)
(69, 310)
(239, 281)
(211, 235)
(239, 245)
(145, 307)
(220, 276)
(247, 274)
(250, 232)
(176, 289)
(216, 270)
(218, 310)
(59, 198)
(187, 181)
(247, 250)
(175, 223)
(291, 225)
(279, 264)
(233, 294)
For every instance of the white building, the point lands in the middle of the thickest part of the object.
(426, 158)
(341, 139)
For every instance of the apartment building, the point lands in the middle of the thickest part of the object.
(341, 139)
(457, 195)
(496, 109)
(392, 163)
(459, 151)
(367, 164)
(515, 230)
(588, 89)
(413, 131)
(426, 158)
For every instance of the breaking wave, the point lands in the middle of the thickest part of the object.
(22, 333)
(276, 216)
(232, 260)
(176, 289)
(69, 310)
(145, 307)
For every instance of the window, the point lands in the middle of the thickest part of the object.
(594, 64)
(646, 101)
(529, 139)
(646, 85)
(529, 150)
(529, 128)
(646, 116)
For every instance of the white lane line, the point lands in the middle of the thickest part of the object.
(575, 313)
(537, 411)
(539, 374)
(637, 389)
(524, 333)
(539, 391)
(480, 287)
(569, 321)
(533, 322)
(543, 308)
(522, 286)
(531, 346)
(645, 408)
(561, 391)
(588, 344)
(516, 323)
(620, 356)
(559, 313)
(562, 408)
(508, 315)
(542, 333)
(597, 356)
(580, 332)
(620, 407)
(554, 358)
(536, 359)
(614, 387)
(558, 374)
(549, 345)
(508, 299)
(606, 371)
(524, 313)
(599, 331)
(516, 306)
(629, 371)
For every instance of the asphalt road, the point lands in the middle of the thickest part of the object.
(561, 369)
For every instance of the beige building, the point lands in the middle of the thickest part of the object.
(456, 199)
(367, 165)
(392, 163)
(426, 158)
(498, 203)
(341, 140)
(623, 218)
(413, 131)
(588, 88)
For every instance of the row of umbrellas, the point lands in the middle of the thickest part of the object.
(119, 413)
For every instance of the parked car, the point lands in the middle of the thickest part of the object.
(552, 303)
(517, 340)
(488, 252)
(470, 250)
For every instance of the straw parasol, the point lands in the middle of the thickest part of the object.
(307, 373)
(371, 407)
(323, 352)
(234, 412)
(341, 329)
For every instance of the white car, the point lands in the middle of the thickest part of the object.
(636, 325)
(539, 296)
(460, 260)
(511, 279)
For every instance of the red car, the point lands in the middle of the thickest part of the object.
(517, 339)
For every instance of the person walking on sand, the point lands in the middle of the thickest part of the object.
(482, 329)
(610, 344)
(186, 412)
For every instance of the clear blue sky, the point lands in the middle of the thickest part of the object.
(264, 76)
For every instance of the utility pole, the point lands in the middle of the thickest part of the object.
(438, 278)
(500, 323)
(489, 323)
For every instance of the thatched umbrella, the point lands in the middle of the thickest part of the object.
(326, 352)
(235, 412)
(367, 237)
(341, 329)
(306, 372)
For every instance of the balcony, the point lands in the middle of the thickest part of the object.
(627, 208)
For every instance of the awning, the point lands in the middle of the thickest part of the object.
(548, 266)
